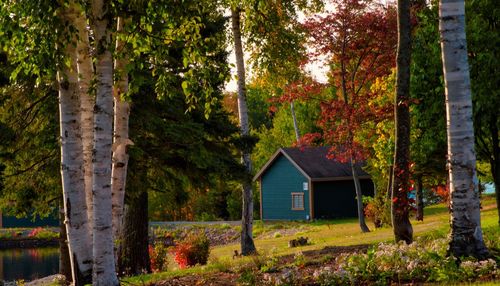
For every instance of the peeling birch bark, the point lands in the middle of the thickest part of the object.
(75, 208)
(120, 136)
(247, 244)
(359, 198)
(104, 263)
(465, 219)
(85, 72)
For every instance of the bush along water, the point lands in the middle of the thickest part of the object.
(416, 262)
(194, 249)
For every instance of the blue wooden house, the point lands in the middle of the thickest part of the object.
(303, 184)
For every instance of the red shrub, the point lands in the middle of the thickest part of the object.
(195, 249)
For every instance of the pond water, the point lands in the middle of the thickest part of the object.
(29, 263)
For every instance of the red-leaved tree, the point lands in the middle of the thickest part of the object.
(359, 41)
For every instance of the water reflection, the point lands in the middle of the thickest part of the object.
(28, 264)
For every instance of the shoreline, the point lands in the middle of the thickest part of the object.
(28, 243)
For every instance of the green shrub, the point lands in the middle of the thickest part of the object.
(42, 233)
(204, 216)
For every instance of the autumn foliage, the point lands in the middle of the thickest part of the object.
(195, 249)
(443, 192)
(359, 39)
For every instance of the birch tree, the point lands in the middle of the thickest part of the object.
(120, 135)
(85, 73)
(247, 244)
(295, 124)
(103, 249)
(465, 220)
(76, 219)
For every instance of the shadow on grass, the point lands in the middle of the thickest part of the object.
(333, 221)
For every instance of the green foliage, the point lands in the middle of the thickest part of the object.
(258, 102)
(428, 116)
(28, 37)
(180, 65)
(188, 36)
(281, 134)
(234, 203)
(275, 36)
(382, 142)
(29, 153)
(483, 45)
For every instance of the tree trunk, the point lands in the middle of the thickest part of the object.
(400, 208)
(120, 138)
(466, 233)
(75, 210)
(389, 186)
(419, 199)
(85, 73)
(64, 260)
(104, 272)
(134, 255)
(247, 244)
(359, 198)
(295, 124)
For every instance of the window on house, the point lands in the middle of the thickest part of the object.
(297, 201)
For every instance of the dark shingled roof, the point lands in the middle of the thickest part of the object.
(313, 161)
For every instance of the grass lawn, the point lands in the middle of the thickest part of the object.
(347, 232)
(272, 238)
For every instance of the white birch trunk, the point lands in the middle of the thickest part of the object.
(120, 138)
(359, 198)
(295, 124)
(75, 209)
(247, 244)
(85, 72)
(466, 233)
(104, 263)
